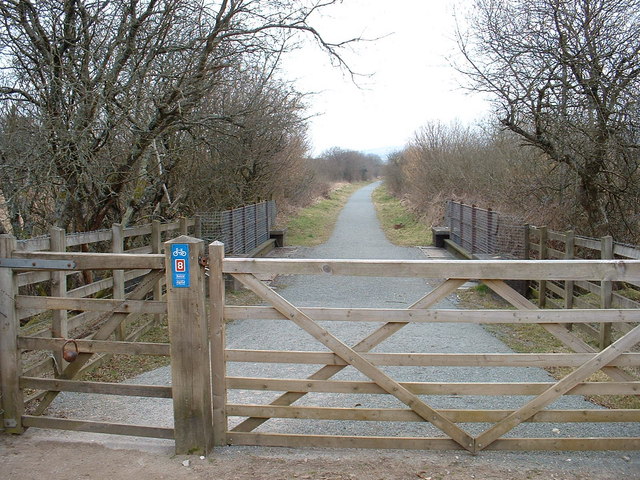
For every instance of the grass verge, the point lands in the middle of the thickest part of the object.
(399, 225)
(314, 224)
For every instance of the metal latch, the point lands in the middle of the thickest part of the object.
(35, 264)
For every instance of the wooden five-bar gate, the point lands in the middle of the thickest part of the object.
(199, 355)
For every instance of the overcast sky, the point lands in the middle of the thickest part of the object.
(412, 81)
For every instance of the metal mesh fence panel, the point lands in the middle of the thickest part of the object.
(484, 231)
(240, 229)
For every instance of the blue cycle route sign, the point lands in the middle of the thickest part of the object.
(180, 265)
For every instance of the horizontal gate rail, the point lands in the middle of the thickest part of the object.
(620, 270)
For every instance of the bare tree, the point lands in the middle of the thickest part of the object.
(565, 77)
(339, 165)
(93, 89)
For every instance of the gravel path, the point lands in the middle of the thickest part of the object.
(358, 235)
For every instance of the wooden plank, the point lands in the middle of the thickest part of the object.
(82, 238)
(102, 261)
(567, 383)
(96, 346)
(34, 244)
(217, 339)
(137, 231)
(567, 444)
(356, 360)
(12, 402)
(606, 288)
(157, 247)
(117, 246)
(569, 254)
(626, 251)
(40, 368)
(342, 441)
(541, 360)
(427, 388)
(407, 443)
(391, 315)
(93, 304)
(104, 284)
(590, 243)
(105, 388)
(406, 415)
(97, 427)
(542, 280)
(615, 270)
(59, 321)
(139, 250)
(29, 278)
(441, 291)
(190, 364)
(553, 253)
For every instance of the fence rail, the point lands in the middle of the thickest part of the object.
(484, 231)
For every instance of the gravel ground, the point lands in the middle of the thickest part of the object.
(358, 235)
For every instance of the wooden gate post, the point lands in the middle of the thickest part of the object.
(189, 339)
(218, 343)
(12, 402)
(59, 322)
(606, 288)
(544, 253)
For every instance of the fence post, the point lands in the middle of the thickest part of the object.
(184, 226)
(117, 246)
(491, 249)
(255, 224)
(10, 365)
(59, 328)
(218, 343)
(461, 225)
(526, 241)
(569, 254)
(156, 247)
(197, 226)
(544, 235)
(474, 212)
(189, 346)
(606, 291)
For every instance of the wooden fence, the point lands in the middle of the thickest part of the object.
(42, 292)
(487, 232)
(199, 356)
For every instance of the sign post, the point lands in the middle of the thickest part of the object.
(189, 346)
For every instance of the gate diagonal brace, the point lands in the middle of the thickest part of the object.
(359, 362)
(378, 336)
(559, 331)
